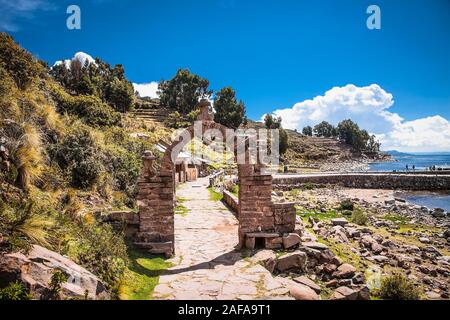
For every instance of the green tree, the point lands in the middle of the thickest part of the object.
(120, 94)
(19, 63)
(272, 122)
(324, 129)
(80, 155)
(307, 131)
(284, 141)
(183, 92)
(350, 133)
(229, 111)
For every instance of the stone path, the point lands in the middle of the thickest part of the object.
(206, 265)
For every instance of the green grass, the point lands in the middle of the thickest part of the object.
(344, 253)
(214, 195)
(141, 276)
(396, 218)
(181, 210)
(328, 215)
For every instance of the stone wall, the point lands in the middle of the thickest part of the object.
(368, 181)
(284, 215)
(231, 201)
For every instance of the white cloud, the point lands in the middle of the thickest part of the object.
(147, 89)
(369, 107)
(80, 56)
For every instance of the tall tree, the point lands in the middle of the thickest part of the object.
(229, 111)
(272, 122)
(324, 129)
(307, 131)
(183, 92)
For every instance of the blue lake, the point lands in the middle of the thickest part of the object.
(421, 161)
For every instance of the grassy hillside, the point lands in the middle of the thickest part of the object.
(65, 156)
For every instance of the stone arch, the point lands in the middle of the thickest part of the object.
(257, 215)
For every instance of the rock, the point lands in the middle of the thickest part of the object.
(344, 293)
(432, 295)
(314, 245)
(438, 213)
(308, 282)
(331, 284)
(302, 292)
(376, 247)
(359, 278)
(294, 260)
(446, 234)
(432, 250)
(36, 269)
(339, 221)
(424, 240)
(378, 259)
(390, 202)
(265, 257)
(345, 271)
(328, 256)
(291, 240)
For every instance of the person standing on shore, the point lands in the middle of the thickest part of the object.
(406, 167)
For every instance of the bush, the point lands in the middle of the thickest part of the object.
(79, 153)
(346, 205)
(359, 217)
(124, 167)
(397, 287)
(15, 291)
(100, 250)
(93, 111)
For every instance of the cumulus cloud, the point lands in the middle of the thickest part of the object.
(147, 89)
(80, 56)
(369, 107)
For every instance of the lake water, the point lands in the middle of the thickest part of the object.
(428, 199)
(421, 161)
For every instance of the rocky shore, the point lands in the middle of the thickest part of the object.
(374, 234)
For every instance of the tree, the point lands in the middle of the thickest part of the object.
(307, 131)
(229, 111)
(350, 133)
(284, 141)
(272, 122)
(373, 145)
(120, 94)
(183, 92)
(19, 63)
(324, 129)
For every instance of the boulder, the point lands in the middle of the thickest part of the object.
(345, 271)
(302, 292)
(308, 282)
(314, 245)
(339, 221)
(291, 240)
(345, 293)
(438, 213)
(36, 269)
(294, 260)
(265, 257)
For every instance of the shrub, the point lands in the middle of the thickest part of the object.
(99, 249)
(397, 287)
(120, 94)
(93, 111)
(15, 291)
(359, 217)
(79, 153)
(124, 167)
(346, 205)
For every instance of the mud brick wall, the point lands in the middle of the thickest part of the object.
(284, 215)
(155, 201)
(255, 202)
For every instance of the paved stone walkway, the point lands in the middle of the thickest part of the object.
(206, 265)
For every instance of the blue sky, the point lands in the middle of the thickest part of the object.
(275, 54)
